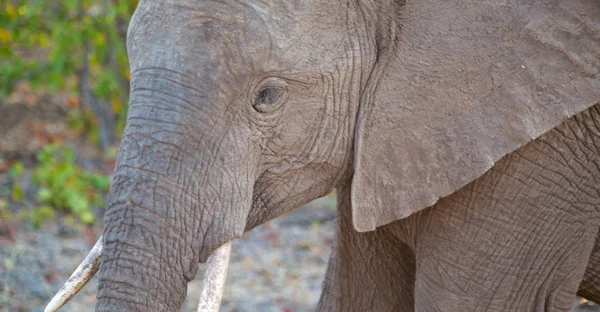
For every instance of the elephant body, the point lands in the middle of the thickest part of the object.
(462, 137)
(519, 238)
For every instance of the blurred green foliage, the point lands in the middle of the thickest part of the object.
(73, 46)
(58, 44)
(61, 184)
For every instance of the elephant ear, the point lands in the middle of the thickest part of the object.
(468, 82)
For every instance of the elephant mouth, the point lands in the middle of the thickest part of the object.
(210, 297)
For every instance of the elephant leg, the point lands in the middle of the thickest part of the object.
(519, 237)
(590, 285)
(371, 271)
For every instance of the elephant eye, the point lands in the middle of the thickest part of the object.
(267, 98)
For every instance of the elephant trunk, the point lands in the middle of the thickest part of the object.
(169, 200)
(134, 278)
(147, 260)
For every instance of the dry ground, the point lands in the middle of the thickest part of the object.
(276, 267)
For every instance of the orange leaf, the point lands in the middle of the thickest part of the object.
(30, 100)
(58, 139)
(116, 105)
(73, 102)
(5, 35)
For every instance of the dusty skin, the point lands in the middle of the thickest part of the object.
(462, 138)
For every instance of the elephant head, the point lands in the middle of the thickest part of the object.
(243, 110)
(238, 113)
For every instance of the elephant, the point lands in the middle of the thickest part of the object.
(462, 138)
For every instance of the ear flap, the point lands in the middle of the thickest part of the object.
(468, 83)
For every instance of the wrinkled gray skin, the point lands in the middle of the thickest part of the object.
(519, 238)
(243, 110)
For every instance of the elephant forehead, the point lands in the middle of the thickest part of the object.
(235, 36)
(192, 34)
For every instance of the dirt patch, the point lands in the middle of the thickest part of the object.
(278, 266)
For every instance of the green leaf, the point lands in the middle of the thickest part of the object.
(87, 217)
(44, 194)
(100, 182)
(17, 192)
(77, 202)
(45, 212)
(16, 170)
(60, 30)
(4, 210)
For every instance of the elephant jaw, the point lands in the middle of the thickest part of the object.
(212, 289)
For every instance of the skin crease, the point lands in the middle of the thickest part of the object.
(218, 142)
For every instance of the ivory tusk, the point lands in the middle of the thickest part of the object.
(84, 272)
(214, 279)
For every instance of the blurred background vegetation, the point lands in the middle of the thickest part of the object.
(64, 83)
(69, 55)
